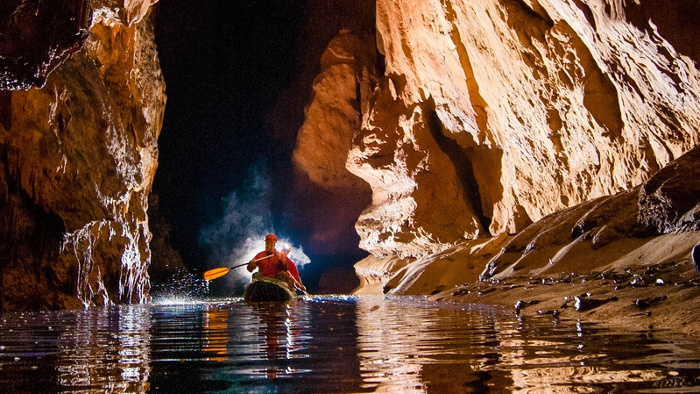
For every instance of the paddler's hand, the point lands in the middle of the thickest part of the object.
(284, 261)
(252, 265)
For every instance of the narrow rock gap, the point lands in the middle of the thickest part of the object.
(463, 165)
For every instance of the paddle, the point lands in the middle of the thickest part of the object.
(299, 286)
(221, 271)
(215, 273)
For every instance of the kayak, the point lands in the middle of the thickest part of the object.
(268, 289)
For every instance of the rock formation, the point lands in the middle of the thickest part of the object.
(519, 139)
(638, 245)
(340, 92)
(486, 117)
(37, 36)
(548, 104)
(488, 137)
(78, 153)
(335, 78)
(580, 237)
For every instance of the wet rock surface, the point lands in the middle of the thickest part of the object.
(77, 162)
(37, 36)
(637, 298)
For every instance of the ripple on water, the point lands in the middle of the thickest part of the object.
(331, 344)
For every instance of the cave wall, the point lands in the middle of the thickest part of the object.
(486, 116)
(315, 120)
(341, 89)
(655, 223)
(78, 153)
(441, 122)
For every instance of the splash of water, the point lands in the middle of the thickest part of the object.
(182, 287)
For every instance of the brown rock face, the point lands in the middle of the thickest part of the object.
(37, 36)
(670, 200)
(335, 81)
(77, 162)
(650, 224)
(323, 142)
(489, 115)
(636, 239)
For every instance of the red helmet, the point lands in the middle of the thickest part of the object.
(271, 237)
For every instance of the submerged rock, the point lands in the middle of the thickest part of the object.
(523, 304)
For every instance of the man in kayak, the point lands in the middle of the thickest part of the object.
(270, 263)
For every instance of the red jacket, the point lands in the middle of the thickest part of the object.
(271, 266)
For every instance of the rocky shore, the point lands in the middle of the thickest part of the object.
(640, 294)
(626, 260)
(660, 297)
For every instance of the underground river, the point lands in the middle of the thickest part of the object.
(333, 344)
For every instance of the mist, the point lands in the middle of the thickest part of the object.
(239, 234)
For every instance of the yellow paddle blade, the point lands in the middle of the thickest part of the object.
(216, 273)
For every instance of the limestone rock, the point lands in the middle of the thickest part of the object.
(124, 12)
(328, 196)
(419, 205)
(336, 49)
(670, 200)
(37, 36)
(636, 230)
(78, 160)
(375, 272)
(490, 115)
(608, 232)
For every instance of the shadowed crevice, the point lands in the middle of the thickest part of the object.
(463, 165)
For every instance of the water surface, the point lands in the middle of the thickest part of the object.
(333, 345)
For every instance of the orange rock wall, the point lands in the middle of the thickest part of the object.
(78, 159)
(331, 120)
(488, 115)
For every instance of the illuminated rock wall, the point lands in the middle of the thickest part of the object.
(334, 81)
(78, 157)
(489, 115)
(332, 118)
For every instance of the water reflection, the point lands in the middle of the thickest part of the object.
(279, 332)
(215, 333)
(406, 352)
(334, 344)
(452, 350)
(275, 345)
(100, 349)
